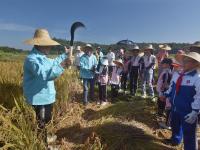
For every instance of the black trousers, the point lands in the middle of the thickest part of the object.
(134, 79)
(124, 81)
(161, 106)
(110, 69)
(114, 90)
(102, 93)
(44, 116)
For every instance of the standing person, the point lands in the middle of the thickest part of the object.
(100, 56)
(184, 94)
(88, 65)
(135, 63)
(39, 75)
(163, 83)
(125, 73)
(78, 55)
(195, 47)
(149, 63)
(102, 82)
(111, 58)
(116, 77)
(163, 53)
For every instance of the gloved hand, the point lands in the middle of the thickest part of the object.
(191, 117)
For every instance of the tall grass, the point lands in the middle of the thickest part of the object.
(18, 127)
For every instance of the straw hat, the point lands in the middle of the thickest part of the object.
(196, 44)
(148, 47)
(118, 62)
(88, 47)
(41, 38)
(104, 62)
(193, 55)
(164, 47)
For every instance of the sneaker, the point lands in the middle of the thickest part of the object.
(104, 103)
(98, 103)
(144, 96)
(51, 138)
(153, 99)
(120, 90)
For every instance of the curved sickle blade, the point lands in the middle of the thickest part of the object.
(75, 26)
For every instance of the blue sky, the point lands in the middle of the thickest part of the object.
(107, 21)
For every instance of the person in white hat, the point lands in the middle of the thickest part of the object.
(184, 95)
(111, 58)
(195, 47)
(162, 53)
(88, 65)
(103, 81)
(148, 70)
(78, 55)
(39, 75)
(136, 64)
(116, 77)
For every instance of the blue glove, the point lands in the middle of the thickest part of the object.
(191, 117)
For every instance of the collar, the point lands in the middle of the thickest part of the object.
(191, 73)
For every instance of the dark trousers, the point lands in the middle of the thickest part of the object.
(110, 69)
(102, 93)
(91, 82)
(114, 90)
(44, 116)
(161, 106)
(124, 81)
(134, 79)
(182, 129)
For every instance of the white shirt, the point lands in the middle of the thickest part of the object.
(135, 60)
(77, 58)
(111, 58)
(148, 60)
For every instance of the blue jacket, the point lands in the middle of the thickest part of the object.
(188, 98)
(86, 65)
(39, 75)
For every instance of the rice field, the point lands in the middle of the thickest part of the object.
(128, 124)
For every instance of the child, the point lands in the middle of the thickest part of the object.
(135, 65)
(102, 82)
(163, 53)
(116, 77)
(125, 73)
(184, 94)
(88, 65)
(163, 83)
(149, 63)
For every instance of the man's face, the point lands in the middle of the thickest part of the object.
(189, 64)
(88, 52)
(135, 52)
(147, 52)
(45, 49)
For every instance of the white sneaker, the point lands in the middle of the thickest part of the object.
(51, 138)
(98, 103)
(144, 96)
(104, 103)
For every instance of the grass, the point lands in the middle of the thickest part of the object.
(128, 124)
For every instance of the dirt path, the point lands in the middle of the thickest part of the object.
(124, 125)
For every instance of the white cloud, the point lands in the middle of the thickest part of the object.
(15, 27)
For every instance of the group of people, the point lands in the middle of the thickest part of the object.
(177, 85)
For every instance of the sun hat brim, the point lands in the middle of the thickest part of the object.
(41, 42)
(192, 55)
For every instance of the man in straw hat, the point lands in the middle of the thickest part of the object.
(39, 75)
(88, 65)
(78, 55)
(149, 63)
(162, 53)
(136, 64)
(184, 95)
